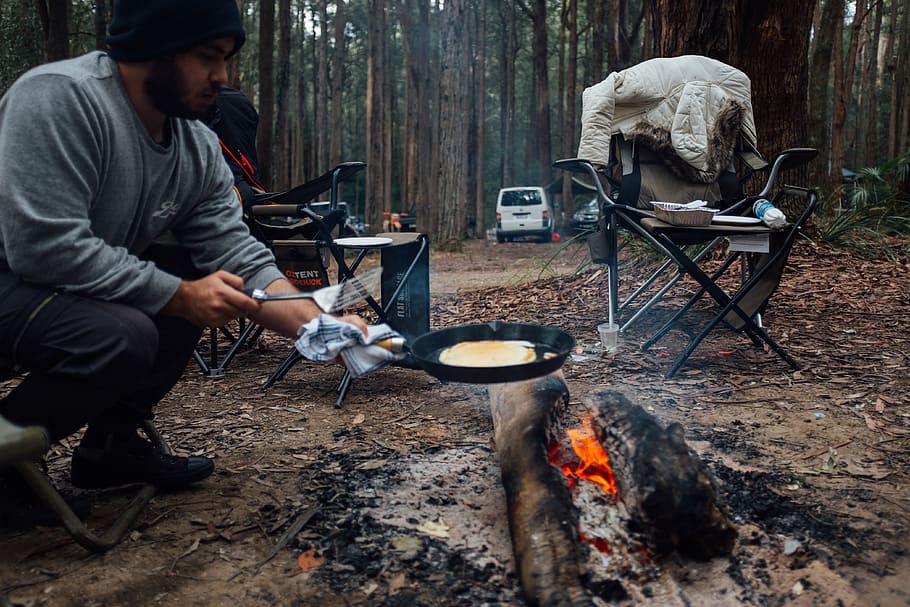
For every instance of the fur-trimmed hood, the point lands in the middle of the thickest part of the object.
(690, 109)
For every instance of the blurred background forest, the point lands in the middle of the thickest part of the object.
(448, 101)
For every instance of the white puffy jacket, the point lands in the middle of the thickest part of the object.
(690, 109)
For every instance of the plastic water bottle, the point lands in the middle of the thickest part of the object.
(769, 214)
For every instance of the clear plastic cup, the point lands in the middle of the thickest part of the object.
(609, 337)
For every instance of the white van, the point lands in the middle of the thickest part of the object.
(524, 211)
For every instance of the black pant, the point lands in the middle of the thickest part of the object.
(87, 360)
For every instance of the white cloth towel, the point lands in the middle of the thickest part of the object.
(325, 337)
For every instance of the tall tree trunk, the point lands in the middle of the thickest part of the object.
(338, 55)
(842, 95)
(649, 41)
(414, 19)
(508, 51)
(301, 138)
(428, 112)
(376, 202)
(704, 27)
(233, 67)
(100, 18)
(265, 136)
(598, 43)
(451, 167)
(872, 88)
(282, 156)
(561, 75)
(388, 106)
(902, 134)
(569, 127)
(479, 198)
(540, 128)
(322, 88)
(411, 47)
(820, 72)
(313, 165)
(625, 33)
(889, 66)
(779, 29)
(54, 16)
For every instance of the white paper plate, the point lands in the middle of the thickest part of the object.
(735, 220)
(363, 242)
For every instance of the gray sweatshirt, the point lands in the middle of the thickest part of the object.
(84, 190)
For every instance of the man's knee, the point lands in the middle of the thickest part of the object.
(78, 336)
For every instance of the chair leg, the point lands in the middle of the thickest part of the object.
(216, 369)
(343, 386)
(292, 359)
(709, 285)
(41, 486)
(89, 540)
(688, 305)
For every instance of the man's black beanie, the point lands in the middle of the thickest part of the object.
(142, 30)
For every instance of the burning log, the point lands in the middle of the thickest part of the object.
(542, 519)
(666, 489)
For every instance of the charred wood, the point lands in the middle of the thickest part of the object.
(667, 490)
(542, 520)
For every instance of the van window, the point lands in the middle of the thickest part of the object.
(516, 198)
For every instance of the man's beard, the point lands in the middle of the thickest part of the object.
(166, 88)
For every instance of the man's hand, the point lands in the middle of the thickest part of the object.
(211, 301)
(218, 298)
(287, 316)
(356, 321)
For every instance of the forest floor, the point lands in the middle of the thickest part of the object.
(396, 499)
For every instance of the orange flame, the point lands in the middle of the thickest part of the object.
(595, 464)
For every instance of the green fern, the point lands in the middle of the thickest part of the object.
(877, 222)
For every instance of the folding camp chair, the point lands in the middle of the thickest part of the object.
(671, 129)
(299, 234)
(20, 446)
(305, 245)
(404, 301)
(740, 308)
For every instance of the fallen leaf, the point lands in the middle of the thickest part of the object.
(370, 588)
(359, 418)
(434, 528)
(193, 548)
(870, 423)
(308, 560)
(373, 464)
(396, 583)
(406, 543)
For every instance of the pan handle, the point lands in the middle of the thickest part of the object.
(392, 344)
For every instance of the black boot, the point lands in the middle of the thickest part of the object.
(125, 458)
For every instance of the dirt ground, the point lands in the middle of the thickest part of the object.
(395, 498)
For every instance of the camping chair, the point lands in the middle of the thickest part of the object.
(730, 196)
(299, 234)
(670, 129)
(21, 446)
(635, 175)
(304, 240)
(404, 301)
(741, 308)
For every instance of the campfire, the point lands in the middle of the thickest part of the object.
(592, 508)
